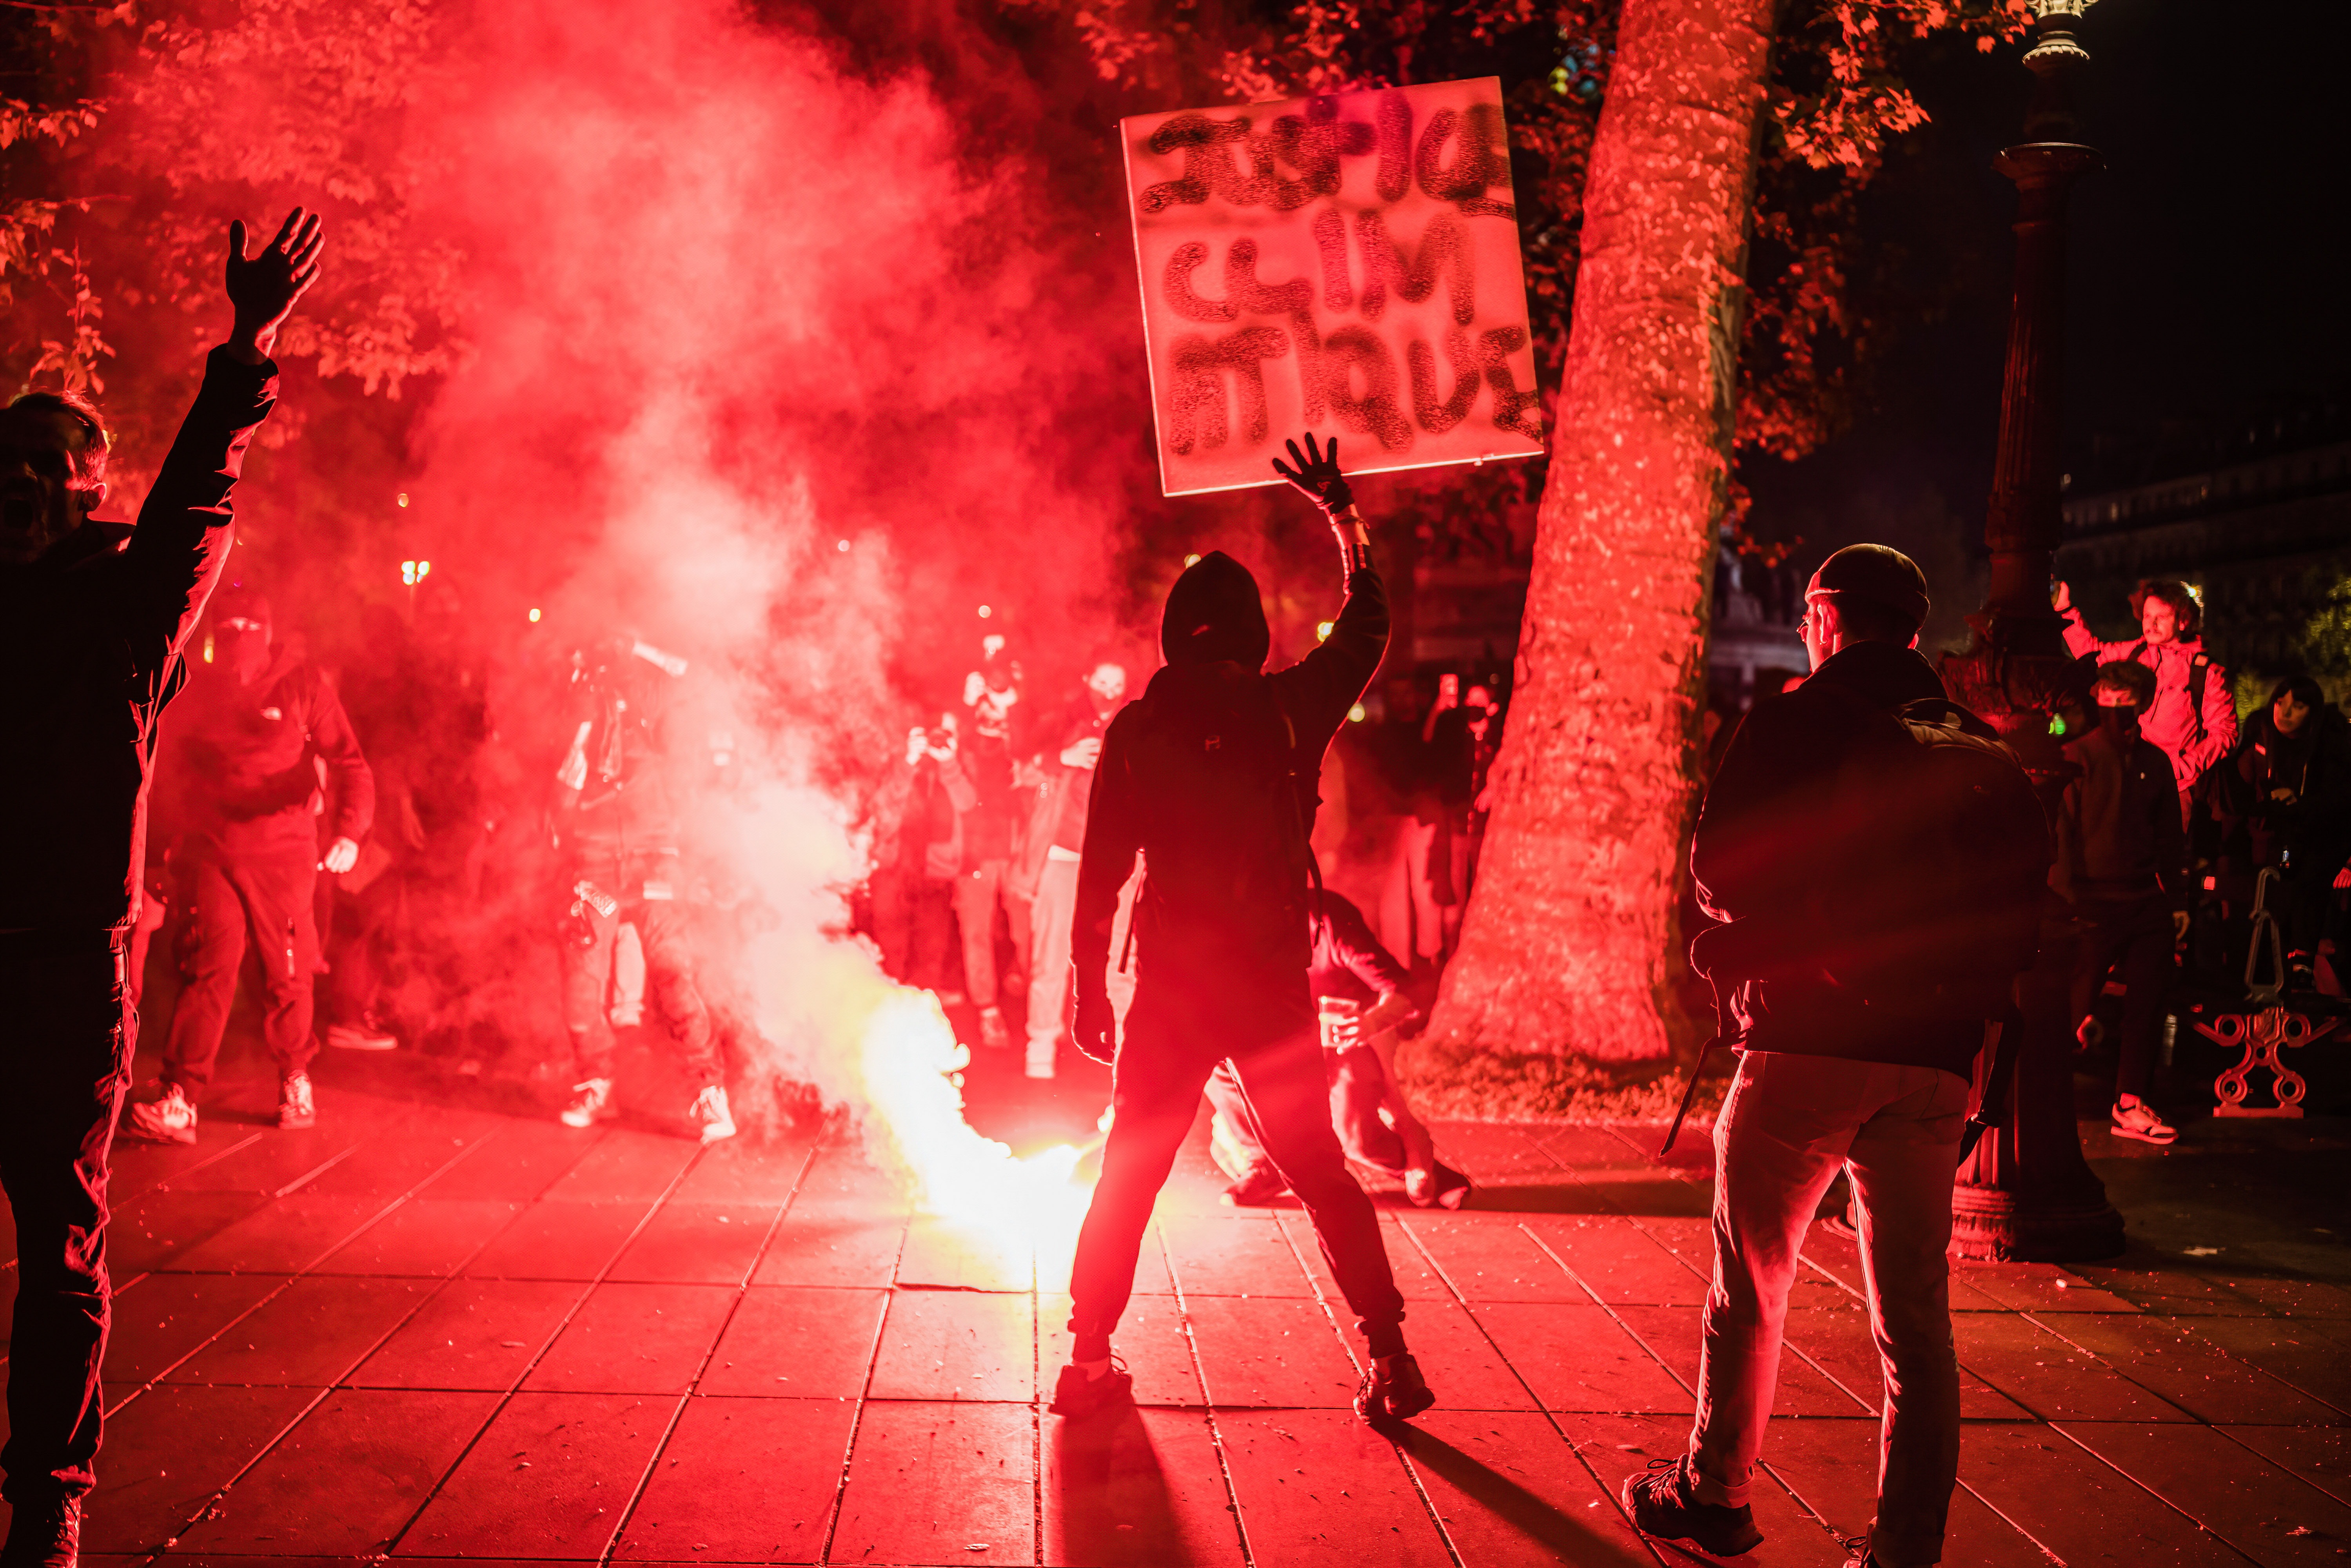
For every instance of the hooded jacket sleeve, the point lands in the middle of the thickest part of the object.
(1348, 942)
(2081, 642)
(1113, 838)
(176, 553)
(350, 782)
(1318, 691)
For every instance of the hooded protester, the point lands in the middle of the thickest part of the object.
(2289, 796)
(1845, 843)
(1210, 776)
(93, 618)
(2122, 865)
(243, 759)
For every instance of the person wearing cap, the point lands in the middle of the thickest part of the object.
(1210, 776)
(2122, 868)
(2194, 715)
(1780, 850)
(259, 730)
(93, 617)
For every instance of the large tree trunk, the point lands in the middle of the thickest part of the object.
(1566, 950)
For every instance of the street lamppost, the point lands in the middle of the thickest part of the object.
(2027, 1192)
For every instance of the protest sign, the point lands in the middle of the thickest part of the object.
(1345, 263)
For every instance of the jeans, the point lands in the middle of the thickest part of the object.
(1049, 970)
(66, 1034)
(218, 903)
(977, 894)
(1790, 1124)
(669, 975)
(1171, 1043)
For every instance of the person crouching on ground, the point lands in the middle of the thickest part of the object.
(1882, 893)
(1358, 987)
(245, 867)
(1211, 775)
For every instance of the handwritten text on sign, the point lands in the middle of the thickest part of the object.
(1347, 264)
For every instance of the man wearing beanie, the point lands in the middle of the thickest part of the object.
(245, 860)
(1857, 1033)
(1211, 778)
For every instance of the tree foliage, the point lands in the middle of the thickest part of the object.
(1837, 99)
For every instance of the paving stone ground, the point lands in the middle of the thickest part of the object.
(441, 1326)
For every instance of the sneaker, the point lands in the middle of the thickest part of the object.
(1438, 1186)
(591, 1102)
(1856, 1549)
(711, 1115)
(170, 1118)
(295, 1109)
(1260, 1186)
(1393, 1390)
(44, 1536)
(2140, 1122)
(365, 1035)
(1663, 1503)
(993, 1035)
(1077, 1394)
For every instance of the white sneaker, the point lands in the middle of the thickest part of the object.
(361, 1036)
(169, 1119)
(2140, 1122)
(711, 1115)
(296, 1108)
(591, 1102)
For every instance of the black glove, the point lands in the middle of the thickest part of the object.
(1095, 1028)
(1317, 476)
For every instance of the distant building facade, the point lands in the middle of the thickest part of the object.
(2265, 540)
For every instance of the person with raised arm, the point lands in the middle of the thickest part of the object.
(94, 617)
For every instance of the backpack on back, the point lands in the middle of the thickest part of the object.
(1944, 898)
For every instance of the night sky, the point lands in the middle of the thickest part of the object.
(2205, 272)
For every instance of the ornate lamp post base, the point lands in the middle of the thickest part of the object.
(2002, 1226)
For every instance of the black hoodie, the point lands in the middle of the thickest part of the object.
(90, 638)
(1215, 636)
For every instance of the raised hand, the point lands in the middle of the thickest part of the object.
(1316, 474)
(263, 287)
(2061, 598)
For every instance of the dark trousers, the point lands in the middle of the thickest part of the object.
(360, 937)
(661, 928)
(66, 1034)
(1164, 1061)
(914, 924)
(2136, 936)
(218, 903)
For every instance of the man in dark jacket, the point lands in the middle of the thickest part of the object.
(1210, 777)
(245, 750)
(2122, 865)
(91, 629)
(1835, 1072)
